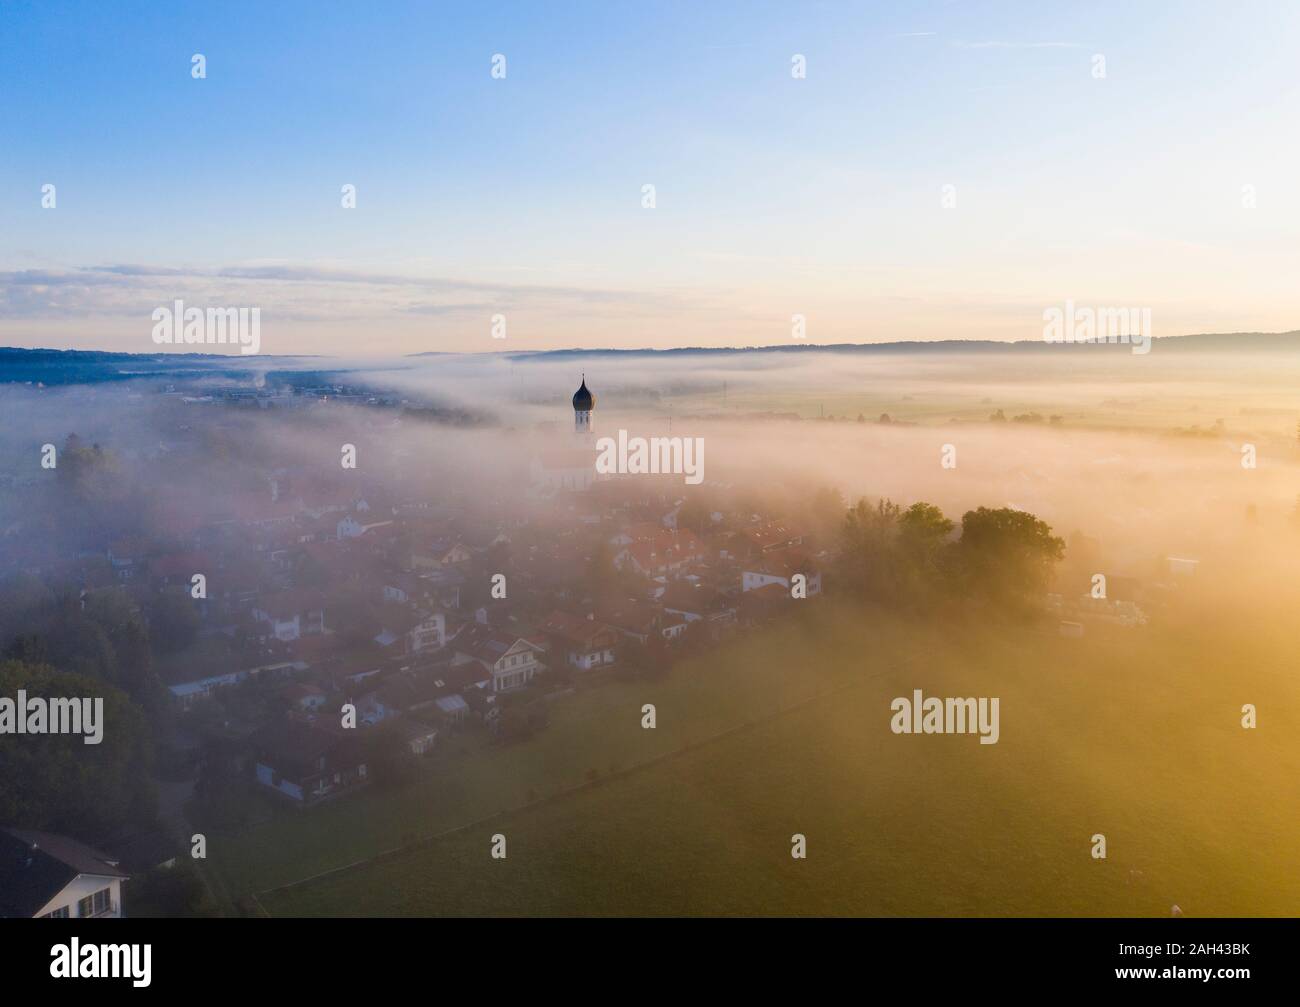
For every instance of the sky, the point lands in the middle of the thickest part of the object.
(1162, 177)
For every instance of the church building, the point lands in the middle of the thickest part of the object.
(570, 467)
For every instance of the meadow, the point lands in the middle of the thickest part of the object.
(1133, 734)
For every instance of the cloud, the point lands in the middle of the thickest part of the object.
(298, 292)
(1002, 44)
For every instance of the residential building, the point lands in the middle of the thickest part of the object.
(510, 661)
(47, 875)
(307, 764)
(579, 643)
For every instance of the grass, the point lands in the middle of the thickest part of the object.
(1132, 735)
(472, 777)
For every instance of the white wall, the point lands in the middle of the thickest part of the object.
(80, 887)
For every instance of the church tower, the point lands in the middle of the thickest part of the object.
(583, 403)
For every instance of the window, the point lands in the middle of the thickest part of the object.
(93, 905)
(62, 913)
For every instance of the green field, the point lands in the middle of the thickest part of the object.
(1134, 735)
(595, 729)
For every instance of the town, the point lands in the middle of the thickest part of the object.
(292, 587)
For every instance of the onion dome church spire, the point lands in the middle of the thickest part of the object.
(583, 403)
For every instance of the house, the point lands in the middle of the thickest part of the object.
(401, 693)
(430, 633)
(644, 531)
(673, 626)
(307, 764)
(510, 661)
(766, 537)
(579, 643)
(666, 553)
(291, 614)
(780, 566)
(452, 707)
(47, 875)
(411, 632)
(405, 588)
(440, 586)
(418, 736)
(632, 619)
(439, 552)
(189, 693)
(697, 602)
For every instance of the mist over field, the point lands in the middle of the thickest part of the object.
(1141, 452)
(1132, 731)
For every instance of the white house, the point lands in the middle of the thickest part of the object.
(291, 615)
(429, 633)
(780, 567)
(47, 875)
(509, 661)
(416, 632)
(580, 643)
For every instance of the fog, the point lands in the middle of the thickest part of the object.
(115, 491)
(1142, 453)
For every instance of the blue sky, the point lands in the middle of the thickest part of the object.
(775, 196)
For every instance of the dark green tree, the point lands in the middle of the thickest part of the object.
(1007, 556)
(57, 781)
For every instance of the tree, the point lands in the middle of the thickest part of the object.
(58, 782)
(868, 557)
(893, 556)
(388, 756)
(923, 540)
(1007, 555)
(170, 892)
(173, 623)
